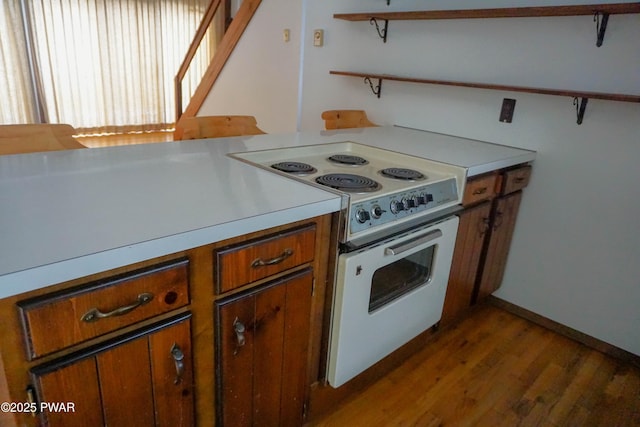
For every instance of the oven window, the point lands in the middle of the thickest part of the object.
(400, 277)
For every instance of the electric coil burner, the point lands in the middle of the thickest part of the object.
(349, 182)
(297, 168)
(348, 159)
(402, 173)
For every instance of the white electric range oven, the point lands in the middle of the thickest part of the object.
(397, 236)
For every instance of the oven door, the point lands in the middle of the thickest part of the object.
(387, 294)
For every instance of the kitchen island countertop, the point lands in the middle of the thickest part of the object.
(69, 214)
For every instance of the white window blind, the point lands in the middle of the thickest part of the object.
(109, 65)
(16, 94)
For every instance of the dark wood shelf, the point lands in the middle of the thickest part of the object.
(544, 91)
(600, 12)
(580, 106)
(512, 12)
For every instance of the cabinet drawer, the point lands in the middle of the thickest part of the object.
(479, 189)
(239, 265)
(58, 320)
(516, 179)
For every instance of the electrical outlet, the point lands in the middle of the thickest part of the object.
(286, 35)
(506, 113)
(318, 37)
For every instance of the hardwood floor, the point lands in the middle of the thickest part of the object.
(497, 369)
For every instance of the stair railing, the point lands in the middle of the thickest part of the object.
(205, 23)
(234, 28)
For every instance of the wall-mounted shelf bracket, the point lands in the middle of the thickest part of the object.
(581, 106)
(376, 90)
(601, 26)
(382, 33)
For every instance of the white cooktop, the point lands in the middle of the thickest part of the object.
(378, 159)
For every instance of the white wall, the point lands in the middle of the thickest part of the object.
(575, 256)
(262, 74)
(576, 248)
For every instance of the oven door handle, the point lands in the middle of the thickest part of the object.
(410, 244)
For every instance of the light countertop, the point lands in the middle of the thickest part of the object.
(69, 214)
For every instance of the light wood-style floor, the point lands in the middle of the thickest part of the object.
(496, 369)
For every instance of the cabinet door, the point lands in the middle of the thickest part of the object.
(472, 229)
(503, 224)
(262, 354)
(138, 380)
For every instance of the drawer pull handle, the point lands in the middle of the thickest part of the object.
(31, 399)
(178, 358)
(95, 314)
(479, 191)
(239, 329)
(260, 263)
(498, 221)
(519, 180)
(483, 226)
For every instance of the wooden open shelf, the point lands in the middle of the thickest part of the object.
(600, 12)
(584, 96)
(511, 12)
(544, 91)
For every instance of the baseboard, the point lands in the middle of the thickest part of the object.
(566, 331)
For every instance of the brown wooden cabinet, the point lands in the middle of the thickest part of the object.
(263, 326)
(111, 349)
(504, 212)
(474, 223)
(262, 348)
(503, 222)
(105, 342)
(142, 379)
(484, 237)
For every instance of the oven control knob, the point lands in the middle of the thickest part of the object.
(407, 203)
(362, 216)
(415, 200)
(423, 198)
(396, 206)
(377, 211)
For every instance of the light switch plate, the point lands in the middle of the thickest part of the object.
(318, 37)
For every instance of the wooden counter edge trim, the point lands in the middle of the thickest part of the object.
(566, 331)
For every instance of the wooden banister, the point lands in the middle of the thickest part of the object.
(223, 52)
(191, 52)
